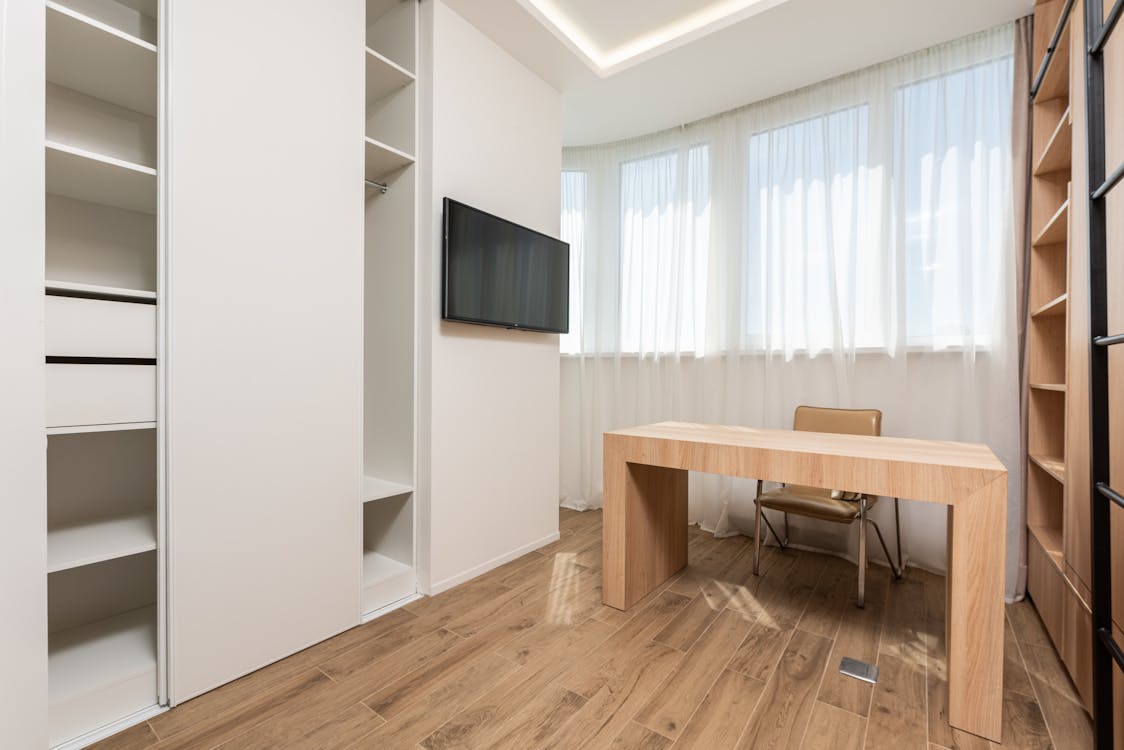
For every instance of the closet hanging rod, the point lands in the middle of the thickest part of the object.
(382, 187)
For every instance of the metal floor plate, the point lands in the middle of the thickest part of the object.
(860, 670)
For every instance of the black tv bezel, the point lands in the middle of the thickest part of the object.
(514, 325)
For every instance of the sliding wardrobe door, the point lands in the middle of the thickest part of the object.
(265, 311)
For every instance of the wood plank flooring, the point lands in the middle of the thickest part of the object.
(526, 656)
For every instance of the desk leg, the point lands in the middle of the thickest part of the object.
(644, 529)
(974, 614)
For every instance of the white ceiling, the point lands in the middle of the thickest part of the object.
(629, 67)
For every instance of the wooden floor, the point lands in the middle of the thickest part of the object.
(527, 657)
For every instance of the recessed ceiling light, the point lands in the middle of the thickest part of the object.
(707, 18)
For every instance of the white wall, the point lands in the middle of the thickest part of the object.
(23, 444)
(490, 416)
(265, 331)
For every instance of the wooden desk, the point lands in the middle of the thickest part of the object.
(645, 523)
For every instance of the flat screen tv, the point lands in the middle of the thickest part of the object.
(498, 273)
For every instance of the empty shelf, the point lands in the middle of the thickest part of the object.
(385, 581)
(1054, 233)
(72, 429)
(1057, 156)
(101, 672)
(1050, 538)
(381, 160)
(84, 175)
(96, 59)
(377, 489)
(376, 9)
(1057, 387)
(96, 291)
(1052, 465)
(1052, 308)
(1055, 84)
(97, 541)
(384, 76)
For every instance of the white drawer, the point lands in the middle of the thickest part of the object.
(79, 395)
(78, 327)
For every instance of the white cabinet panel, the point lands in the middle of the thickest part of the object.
(23, 622)
(265, 326)
(81, 395)
(79, 327)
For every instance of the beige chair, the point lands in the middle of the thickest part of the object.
(837, 506)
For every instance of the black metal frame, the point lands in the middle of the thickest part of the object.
(1049, 56)
(1105, 650)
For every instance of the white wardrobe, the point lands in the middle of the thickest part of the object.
(102, 308)
(227, 343)
(221, 223)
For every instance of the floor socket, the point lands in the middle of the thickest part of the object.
(860, 670)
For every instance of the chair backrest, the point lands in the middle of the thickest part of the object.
(841, 421)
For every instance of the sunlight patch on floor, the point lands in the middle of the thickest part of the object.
(565, 585)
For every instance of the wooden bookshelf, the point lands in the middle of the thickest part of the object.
(1051, 158)
(1057, 486)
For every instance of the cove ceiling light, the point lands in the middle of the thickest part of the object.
(576, 27)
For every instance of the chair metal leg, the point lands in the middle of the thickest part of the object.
(757, 530)
(782, 545)
(862, 553)
(896, 568)
(898, 536)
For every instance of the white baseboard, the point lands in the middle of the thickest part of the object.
(495, 562)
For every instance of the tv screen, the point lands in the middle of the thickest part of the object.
(499, 273)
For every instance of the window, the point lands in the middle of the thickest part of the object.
(952, 161)
(808, 266)
(664, 246)
(573, 232)
(876, 219)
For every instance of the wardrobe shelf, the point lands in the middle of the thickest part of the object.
(384, 76)
(96, 59)
(1054, 233)
(1052, 465)
(1054, 387)
(101, 671)
(95, 178)
(385, 580)
(380, 489)
(1055, 84)
(1054, 307)
(376, 9)
(1057, 155)
(381, 160)
(97, 541)
(74, 429)
(96, 291)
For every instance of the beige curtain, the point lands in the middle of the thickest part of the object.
(1021, 150)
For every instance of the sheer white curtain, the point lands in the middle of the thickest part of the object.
(849, 244)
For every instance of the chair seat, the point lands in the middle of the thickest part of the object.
(815, 502)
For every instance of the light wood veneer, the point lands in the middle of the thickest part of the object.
(645, 529)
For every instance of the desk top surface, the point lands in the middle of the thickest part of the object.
(907, 450)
